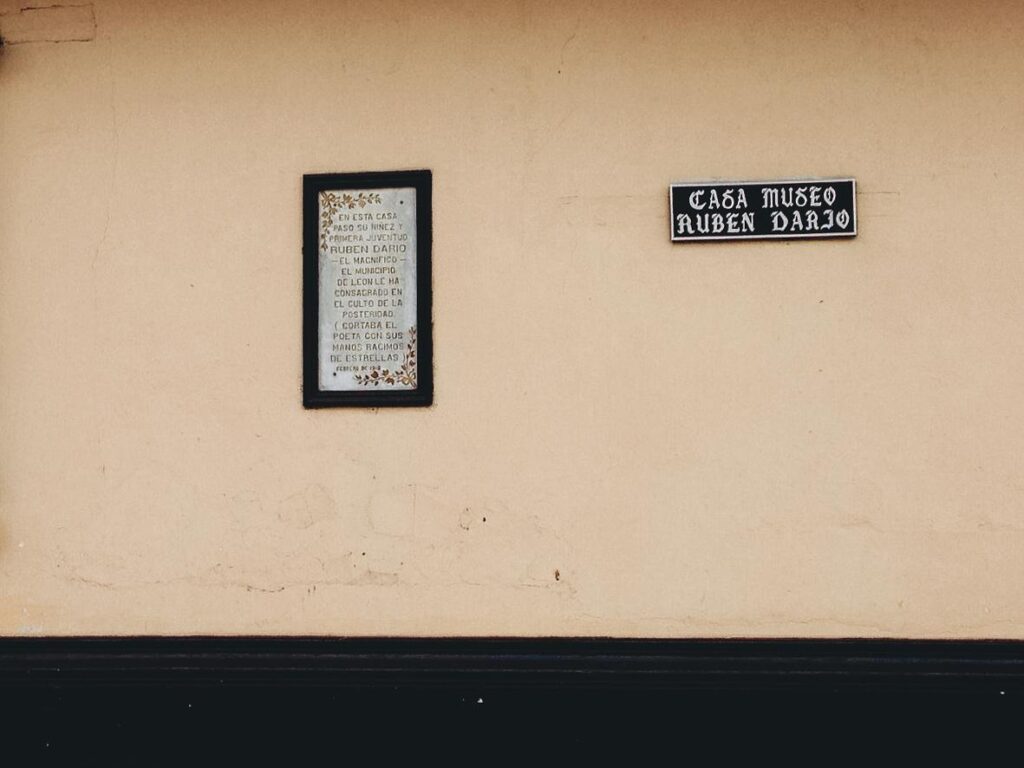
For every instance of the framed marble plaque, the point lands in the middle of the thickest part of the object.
(366, 289)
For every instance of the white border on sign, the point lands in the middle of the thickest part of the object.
(684, 184)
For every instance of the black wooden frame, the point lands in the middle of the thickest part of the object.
(312, 185)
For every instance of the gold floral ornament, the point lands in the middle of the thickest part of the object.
(332, 202)
(404, 375)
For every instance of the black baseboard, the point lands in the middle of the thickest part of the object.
(495, 663)
(198, 701)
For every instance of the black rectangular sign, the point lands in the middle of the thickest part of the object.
(748, 210)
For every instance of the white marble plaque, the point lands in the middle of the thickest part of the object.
(367, 285)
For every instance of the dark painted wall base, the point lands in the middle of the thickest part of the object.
(200, 701)
(639, 665)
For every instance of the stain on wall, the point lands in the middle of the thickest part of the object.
(48, 24)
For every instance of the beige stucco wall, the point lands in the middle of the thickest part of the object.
(629, 437)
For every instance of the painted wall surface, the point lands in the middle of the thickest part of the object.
(630, 437)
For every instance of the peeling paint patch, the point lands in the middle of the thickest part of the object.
(305, 509)
(49, 24)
